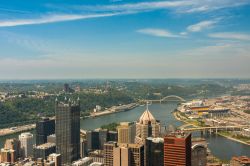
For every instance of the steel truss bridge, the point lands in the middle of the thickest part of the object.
(167, 98)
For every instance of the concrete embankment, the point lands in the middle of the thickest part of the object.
(18, 129)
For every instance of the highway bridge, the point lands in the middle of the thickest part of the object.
(215, 129)
(166, 98)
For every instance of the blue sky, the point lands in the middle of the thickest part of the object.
(45, 39)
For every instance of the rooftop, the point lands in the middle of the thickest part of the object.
(146, 116)
(242, 159)
(46, 145)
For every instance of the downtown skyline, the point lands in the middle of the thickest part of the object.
(124, 39)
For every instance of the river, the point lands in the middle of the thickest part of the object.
(220, 147)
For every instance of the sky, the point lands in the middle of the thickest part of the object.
(64, 39)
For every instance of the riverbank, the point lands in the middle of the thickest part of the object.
(233, 139)
(18, 129)
(114, 109)
(23, 128)
(179, 117)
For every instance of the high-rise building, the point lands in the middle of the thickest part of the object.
(44, 150)
(137, 154)
(108, 153)
(199, 154)
(66, 88)
(112, 136)
(146, 126)
(121, 156)
(56, 158)
(7, 155)
(86, 161)
(97, 138)
(44, 128)
(129, 155)
(13, 144)
(126, 132)
(26, 140)
(83, 148)
(68, 130)
(93, 140)
(103, 136)
(177, 149)
(154, 151)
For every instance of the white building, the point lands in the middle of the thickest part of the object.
(83, 162)
(246, 132)
(26, 140)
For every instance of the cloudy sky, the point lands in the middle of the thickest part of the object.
(45, 39)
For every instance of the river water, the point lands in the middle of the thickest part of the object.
(220, 147)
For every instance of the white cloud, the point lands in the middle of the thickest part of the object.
(181, 6)
(54, 18)
(96, 11)
(183, 33)
(230, 35)
(202, 25)
(157, 32)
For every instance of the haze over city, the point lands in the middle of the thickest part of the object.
(124, 39)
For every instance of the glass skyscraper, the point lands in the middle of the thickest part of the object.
(68, 130)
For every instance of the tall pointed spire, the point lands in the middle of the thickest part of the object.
(147, 106)
(146, 116)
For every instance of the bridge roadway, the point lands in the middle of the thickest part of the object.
(215, 127)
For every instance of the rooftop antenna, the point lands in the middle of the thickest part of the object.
(147, 105)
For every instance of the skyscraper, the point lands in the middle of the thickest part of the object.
(97, 138)
(68, 130)
(56, 158)
(126, 132)
(108, 153)
(66, 88)
(44, 128)
(128, 155)
(13, 144)
(44, 150)
(199, 155)
(121, 156)
(146, 126)
(7, 155)
(154, 151)
(177, 149)
(26, 140)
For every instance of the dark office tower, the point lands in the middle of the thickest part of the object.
(177, 149)
(93, 142)
(68, 130)
(44, 150)
(112, 136)
(154, 151)
(103, 135)
(44, 128)
(66, 88)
